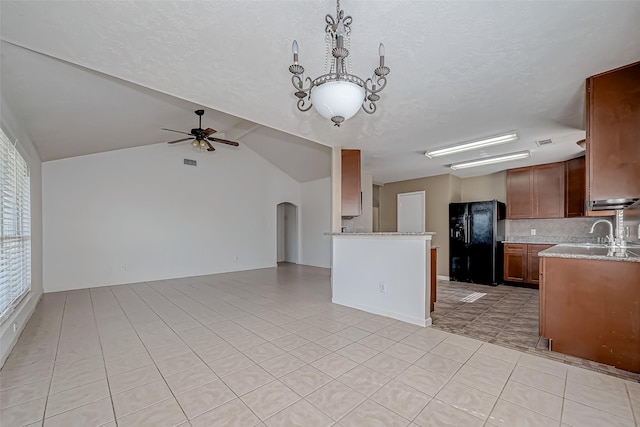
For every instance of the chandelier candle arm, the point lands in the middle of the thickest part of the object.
(338, 95)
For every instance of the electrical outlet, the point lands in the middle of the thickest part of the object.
(123, 267)
(533, 231)
(15, 327)
(383, 287)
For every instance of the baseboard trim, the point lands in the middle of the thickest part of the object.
(386, 313)
(20, 317)
(440, 277)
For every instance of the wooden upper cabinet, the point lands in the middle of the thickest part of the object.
(552, 190)
(613, 134)
(536, 191)
(351, 199)
(575, 182)
(548, 191)
(519, 189)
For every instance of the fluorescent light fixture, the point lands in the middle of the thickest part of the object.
(473, 145)
(491, 160)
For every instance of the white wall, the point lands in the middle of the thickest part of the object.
(141, 214)
(23, 311)
(361, 263)
(291, 233)
(315, 221)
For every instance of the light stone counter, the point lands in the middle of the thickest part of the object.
(631, 254)
(387, 234)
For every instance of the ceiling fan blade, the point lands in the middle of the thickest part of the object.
(210, 146)
(208, 131)
(179, 140)
(179, 131)
(223, 141)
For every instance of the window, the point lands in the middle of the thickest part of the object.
(15, 227)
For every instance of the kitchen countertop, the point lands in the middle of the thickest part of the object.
(548, 240)
(386, 233)
(594, 252)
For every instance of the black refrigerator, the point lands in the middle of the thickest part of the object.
(476, 231)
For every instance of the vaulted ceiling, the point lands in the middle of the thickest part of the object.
(97, 76)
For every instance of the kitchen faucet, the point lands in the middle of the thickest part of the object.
(610, 236)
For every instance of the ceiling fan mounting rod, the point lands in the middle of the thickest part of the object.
(200, 113)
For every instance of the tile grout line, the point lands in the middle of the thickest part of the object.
(145, 347)
(104, 362)
(160, 372)
(221, 378)
(55, 357)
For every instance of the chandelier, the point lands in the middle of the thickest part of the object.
(338, 94)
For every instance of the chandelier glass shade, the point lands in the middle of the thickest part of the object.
(338, 94)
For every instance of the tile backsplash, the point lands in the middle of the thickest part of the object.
(632, 223)
(556, 230)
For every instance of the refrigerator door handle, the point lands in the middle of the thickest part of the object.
(466, 229)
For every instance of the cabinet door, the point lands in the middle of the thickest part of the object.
(434, 278)
(548, 190)
(613, 132)
(515, 262)
(533, 263)
(574, 313)
(590, 309)
(519, 187)
(351, 201)
(575, 187)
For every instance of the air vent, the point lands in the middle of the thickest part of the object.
(190, 162)
(544, 142)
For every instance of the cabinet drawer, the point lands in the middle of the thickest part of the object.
(535, 249)
(515, 248)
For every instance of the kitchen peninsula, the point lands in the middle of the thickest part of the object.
(590, 303)
(383, 273)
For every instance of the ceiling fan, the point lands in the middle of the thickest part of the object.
(201, 137)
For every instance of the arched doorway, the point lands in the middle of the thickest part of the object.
(287, 231)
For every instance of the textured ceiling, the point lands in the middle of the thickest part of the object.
(459, 70)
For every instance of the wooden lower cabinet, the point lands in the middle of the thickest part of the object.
(591, 309)
(515, 262)
(522, 263)
(434, 278)
(533, 263)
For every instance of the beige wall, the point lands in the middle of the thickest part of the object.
(440, 191)
(485, 187)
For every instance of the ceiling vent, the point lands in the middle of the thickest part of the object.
(544, 142)
(190, 162)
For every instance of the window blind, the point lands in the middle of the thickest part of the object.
(15, 227)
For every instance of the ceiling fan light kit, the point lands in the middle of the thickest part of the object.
(473, 145)
(338, 94)
(491, 160)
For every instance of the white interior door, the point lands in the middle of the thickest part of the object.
(411, 211)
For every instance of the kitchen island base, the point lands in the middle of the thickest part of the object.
(387, 274)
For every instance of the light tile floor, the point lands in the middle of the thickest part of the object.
(267, 347)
